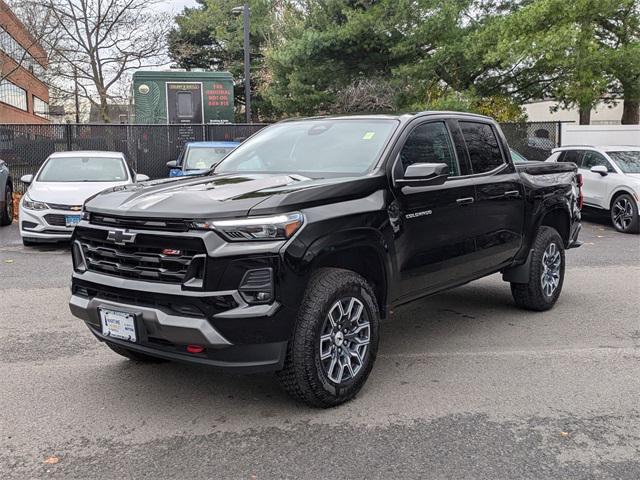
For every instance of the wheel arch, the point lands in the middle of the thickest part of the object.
(559, 219)
(620, 191)
(362, 251)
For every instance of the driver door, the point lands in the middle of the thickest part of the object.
(432, 235)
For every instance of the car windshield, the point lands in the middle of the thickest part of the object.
(83, 169)
(200, 158)
(629, 161)
(517, 157)
(317, 148)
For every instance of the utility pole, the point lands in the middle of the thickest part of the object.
(247, 63)
(247, 58)
(75, 94)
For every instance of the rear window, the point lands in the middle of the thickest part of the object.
(483, 147)
(573, 156)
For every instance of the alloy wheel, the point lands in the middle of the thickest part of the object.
(622, 213)
(344, 340)
(551, 261)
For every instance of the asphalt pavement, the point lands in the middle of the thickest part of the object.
(465, 386)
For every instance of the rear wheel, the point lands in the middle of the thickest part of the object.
(133, 355)
(546, 273)
(335, 341)
(624, 214)
(6, 215)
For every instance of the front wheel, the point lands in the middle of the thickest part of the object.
(624, 214)
(546, 273)
(335, 341)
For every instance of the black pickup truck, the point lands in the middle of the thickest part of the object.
(288, 254)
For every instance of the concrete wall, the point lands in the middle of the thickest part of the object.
(602, 114)
(573, 134)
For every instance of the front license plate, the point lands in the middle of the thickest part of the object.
(120, 325)
(71, 220)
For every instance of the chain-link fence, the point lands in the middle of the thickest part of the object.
(150, 147)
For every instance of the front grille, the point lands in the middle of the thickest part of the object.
(144, 259)
(165, 225)
(55, 220)
(59, 206)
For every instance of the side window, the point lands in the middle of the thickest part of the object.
(429, 143)
(592, 159)
(483, 147)
(573, 156)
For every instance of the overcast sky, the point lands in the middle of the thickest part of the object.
(175, 6)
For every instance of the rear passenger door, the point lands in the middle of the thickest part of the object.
(499, 197)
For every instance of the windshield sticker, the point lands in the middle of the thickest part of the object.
(369, 135)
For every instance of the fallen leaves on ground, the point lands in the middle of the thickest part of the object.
(52, 460)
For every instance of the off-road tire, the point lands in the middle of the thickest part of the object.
(303, 376)
(135, 356)
(634, 225)
(532, 296)
(6, 215)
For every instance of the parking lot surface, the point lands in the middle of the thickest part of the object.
(465, 386)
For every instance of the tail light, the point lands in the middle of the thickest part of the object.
(580, 184)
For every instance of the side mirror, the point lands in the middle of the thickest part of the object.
(26, 179)
(601, 169)
(424, 174)
(172, 164)
(140, 177)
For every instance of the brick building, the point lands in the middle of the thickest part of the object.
(24, 98)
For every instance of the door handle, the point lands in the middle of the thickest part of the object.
(512, 194)
(465, 201)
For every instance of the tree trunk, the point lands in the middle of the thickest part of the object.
(585, 115)
(104, 109)
(630, 112)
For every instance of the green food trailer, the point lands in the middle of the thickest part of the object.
(182, 97)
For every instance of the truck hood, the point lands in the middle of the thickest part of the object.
(218, 196)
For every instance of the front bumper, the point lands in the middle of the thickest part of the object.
(34, 225)
(165, 334)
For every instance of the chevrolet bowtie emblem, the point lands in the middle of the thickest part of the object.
(120, 237)
(76, 208)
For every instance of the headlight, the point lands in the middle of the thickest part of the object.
(32, 204)
(278, 227)
(84, 215)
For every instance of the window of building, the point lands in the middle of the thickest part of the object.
(19, 54)
(13, 95)
(429, 143)
(40, 107)
(483, 147)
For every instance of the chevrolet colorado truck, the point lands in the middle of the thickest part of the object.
(288, 254)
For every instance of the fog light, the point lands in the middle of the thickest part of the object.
(257, 286)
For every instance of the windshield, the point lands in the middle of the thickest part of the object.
(200, 158)
(83, 169)
(629, 162)
(313, 147)
(517, 157)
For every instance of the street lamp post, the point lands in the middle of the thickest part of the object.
(244, 10)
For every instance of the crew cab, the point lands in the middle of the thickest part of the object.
(288, 254)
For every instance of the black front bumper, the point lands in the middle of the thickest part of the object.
(238, 337)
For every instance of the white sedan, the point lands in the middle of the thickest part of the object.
(611, 176)
(51, 207)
